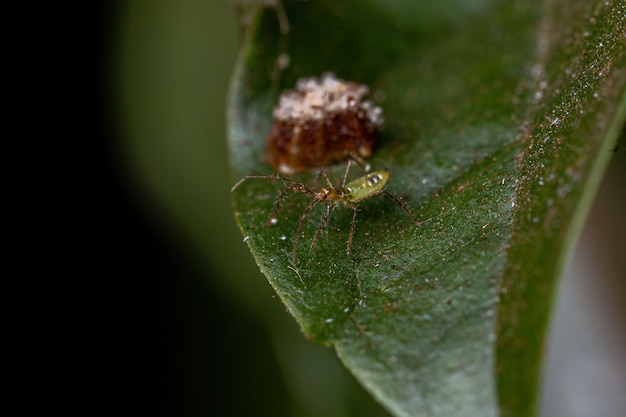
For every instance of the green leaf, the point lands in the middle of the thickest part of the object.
(500, 120)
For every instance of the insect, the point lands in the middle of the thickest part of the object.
(322, 122)
(349, 194)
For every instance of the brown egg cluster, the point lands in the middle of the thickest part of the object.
(322, 122)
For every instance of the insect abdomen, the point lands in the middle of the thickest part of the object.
(368, 185)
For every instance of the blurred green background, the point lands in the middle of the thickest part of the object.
(218, 341)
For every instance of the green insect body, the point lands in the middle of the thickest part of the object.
(365, 187)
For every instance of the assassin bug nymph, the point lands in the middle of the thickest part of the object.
(349, 194)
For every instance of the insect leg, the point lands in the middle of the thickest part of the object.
(279, 201)
(359, 160)
(345, 175)
(401, 204)
(295, 186)
(317, 178)
(330, 184)
(300, 223)
(352, 227)
(329, 207)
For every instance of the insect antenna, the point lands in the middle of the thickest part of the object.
(251, 177)
(290, 185)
